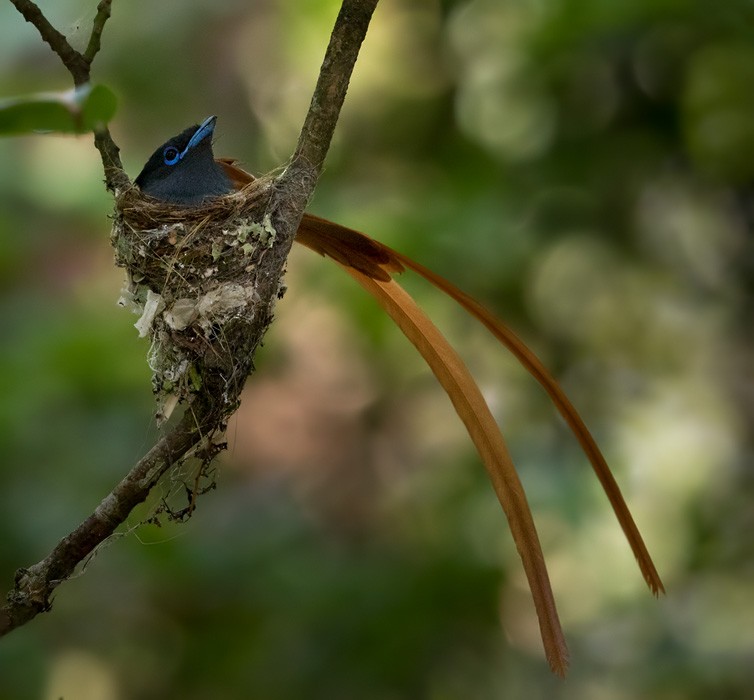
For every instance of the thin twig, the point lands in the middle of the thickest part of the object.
(103, 14)
(76, 64)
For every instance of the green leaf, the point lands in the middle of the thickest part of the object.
(99, 107)
(77, 111)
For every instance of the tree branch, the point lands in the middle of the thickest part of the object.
(221, 383)
(76, 64)
(348, 34)
(303, 171)
(103, 14)
(116, 179)
(35, 585)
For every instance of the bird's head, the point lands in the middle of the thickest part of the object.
(183, 170)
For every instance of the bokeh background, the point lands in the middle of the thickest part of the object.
(585, 169)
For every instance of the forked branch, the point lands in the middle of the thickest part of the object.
(196, 432)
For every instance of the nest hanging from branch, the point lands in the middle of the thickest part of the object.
(193, 275)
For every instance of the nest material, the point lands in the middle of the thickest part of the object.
(192, 275)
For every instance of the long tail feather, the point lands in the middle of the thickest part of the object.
(356, 251)
(468, 401)
(566, 409)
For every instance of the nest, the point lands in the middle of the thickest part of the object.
(192, 275)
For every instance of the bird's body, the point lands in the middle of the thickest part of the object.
(184, 171)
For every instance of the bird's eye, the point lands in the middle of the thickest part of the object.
(171, 155)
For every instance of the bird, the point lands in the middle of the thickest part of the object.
(185, 172)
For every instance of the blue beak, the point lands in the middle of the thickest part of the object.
(206, 128)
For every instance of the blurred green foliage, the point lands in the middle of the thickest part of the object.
(76, 111)
(583, 167)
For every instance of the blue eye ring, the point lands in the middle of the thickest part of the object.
(171, 155)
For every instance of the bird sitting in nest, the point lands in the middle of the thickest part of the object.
(191, 235)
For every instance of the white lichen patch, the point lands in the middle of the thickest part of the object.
(217, 304)
(153, 305)
(181, 314)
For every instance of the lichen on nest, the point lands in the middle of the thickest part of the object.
(192, 277)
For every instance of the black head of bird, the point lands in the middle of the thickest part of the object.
(183, 170)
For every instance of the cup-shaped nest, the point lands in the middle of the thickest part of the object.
(192, 275)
